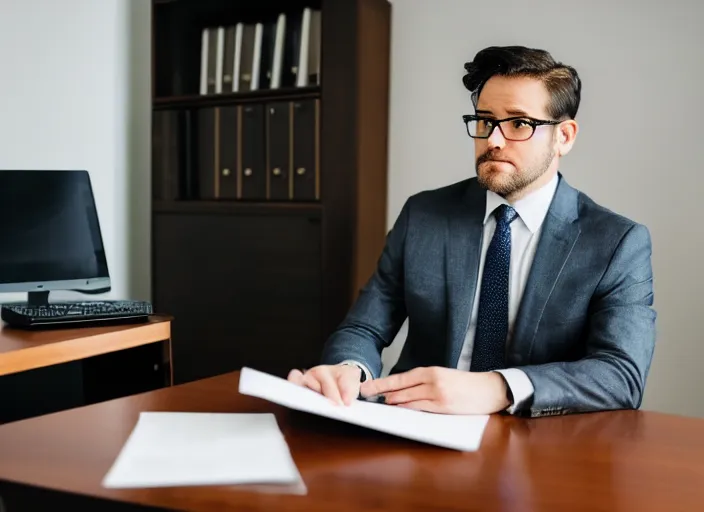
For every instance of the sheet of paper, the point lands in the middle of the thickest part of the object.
(185, 449)
(459, 432)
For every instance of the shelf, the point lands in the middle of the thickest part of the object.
(279, 275)
(265, 95)
(239, 207)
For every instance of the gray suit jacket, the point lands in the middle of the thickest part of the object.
(585, 330)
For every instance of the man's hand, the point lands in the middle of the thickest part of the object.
(339, 383)
(442, 390)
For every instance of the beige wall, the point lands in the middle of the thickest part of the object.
(638, 152)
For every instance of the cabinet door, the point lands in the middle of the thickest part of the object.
(244, 290)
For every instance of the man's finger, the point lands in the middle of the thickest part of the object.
(311, 382)
(295, 376)
(329, 387)
(392, 383)
(414, 394)
(348, 384)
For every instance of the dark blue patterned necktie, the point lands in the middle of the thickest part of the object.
(492, 316)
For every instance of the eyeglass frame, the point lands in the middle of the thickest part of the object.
(534, 123)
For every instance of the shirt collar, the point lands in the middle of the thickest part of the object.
(531, 208)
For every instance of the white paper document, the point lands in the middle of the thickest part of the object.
(184, 449)
(459, 432)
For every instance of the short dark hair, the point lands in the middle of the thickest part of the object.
(562, 81)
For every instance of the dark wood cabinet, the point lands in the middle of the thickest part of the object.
(274, 213)
(244, 289)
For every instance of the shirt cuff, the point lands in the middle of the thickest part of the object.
(365, 371)
(520, 386)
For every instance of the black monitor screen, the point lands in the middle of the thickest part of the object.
(50, 230)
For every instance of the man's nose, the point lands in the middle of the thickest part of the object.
(496, 139)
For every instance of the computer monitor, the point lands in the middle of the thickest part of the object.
(51, 237)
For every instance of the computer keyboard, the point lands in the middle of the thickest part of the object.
(62, 313)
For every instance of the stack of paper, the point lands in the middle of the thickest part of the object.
(180, 448)
(459, 432)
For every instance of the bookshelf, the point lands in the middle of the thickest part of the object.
(268, 205)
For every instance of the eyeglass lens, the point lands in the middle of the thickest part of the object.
(516, 129)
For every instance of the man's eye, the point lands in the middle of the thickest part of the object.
(520, 123)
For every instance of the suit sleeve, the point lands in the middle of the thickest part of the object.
(620, 342)
(379, 311)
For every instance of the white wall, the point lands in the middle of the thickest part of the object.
(642, 66)
(74, 94)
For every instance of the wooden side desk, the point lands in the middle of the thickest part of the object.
(48, 370)
(615, 461)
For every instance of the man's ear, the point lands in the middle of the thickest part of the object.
(566, 136)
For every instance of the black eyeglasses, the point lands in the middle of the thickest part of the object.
(512, 128)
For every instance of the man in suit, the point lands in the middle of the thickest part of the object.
(522, 294)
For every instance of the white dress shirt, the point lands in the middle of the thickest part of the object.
(525, 233)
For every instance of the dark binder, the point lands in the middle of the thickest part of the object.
(279, 150)
(212, 60)
(306, 164)
(267, 54)
(228, 65)
(226, 187)
(188, 176)
(246, 57)
(292, 48)
(166, 168)
(207, 152)
(252, 151)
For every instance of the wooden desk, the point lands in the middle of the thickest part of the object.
(48, 370)
(22, 350)
(607, 461)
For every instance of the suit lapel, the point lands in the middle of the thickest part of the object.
(464, 240)
(558, 237)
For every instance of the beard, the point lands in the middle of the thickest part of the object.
(506, 184)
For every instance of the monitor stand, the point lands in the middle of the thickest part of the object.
(38, 299)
